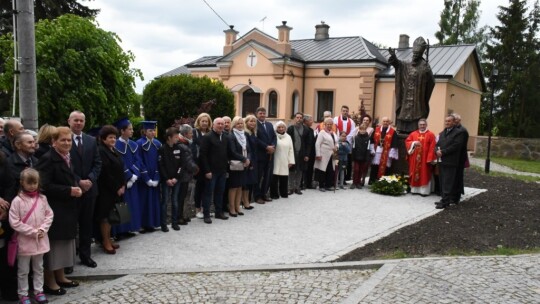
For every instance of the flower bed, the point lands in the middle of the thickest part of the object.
(395, 185)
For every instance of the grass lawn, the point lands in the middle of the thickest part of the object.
(524, 178)
(519, 164)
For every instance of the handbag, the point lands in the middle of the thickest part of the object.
(119, 214)
(236, 165)
(13, 243)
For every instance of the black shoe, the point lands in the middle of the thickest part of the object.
(298, 192)
(148, 229)
(88, 262)
(68, 270)
(175, 227)
(240, 213)
(68, 284)
(273, 198)
(231, 214)
(182, 222)
(207, 220)
(164, 228)
(248, 207)
(187, 219)
(290, 192)
(54, 292)
(267, 199)
(222, 216)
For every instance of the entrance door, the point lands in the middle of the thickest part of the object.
(250, 102)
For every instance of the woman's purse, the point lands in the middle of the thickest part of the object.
(236, 165)
(13, 243)
(119, 214)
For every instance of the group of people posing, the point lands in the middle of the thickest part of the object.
(57, 190)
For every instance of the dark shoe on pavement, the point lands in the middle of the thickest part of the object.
(175, 227)
(222, 216)
(182, 222)
(298, 192)
(260, 201)
(164, 228)
(88, 262)
(290, 192)
(267, 199)
(207, 220)
(69, 284)
(68, 270)
(231, 214)
(55, 292)
(322, 189)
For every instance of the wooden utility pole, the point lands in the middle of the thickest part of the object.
(26, 43)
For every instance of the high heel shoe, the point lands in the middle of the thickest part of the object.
(233, 214)
(239, 213)
(248, 207)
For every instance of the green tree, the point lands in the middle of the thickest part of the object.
(168, 98)
(514, 53)
(459, 23)
(79, 66)
(44, 9)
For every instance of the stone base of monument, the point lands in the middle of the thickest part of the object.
(401, 166)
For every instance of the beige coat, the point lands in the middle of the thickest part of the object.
(284, 154)
(324, 146)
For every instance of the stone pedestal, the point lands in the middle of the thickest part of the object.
(401, 166)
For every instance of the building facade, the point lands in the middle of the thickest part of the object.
(323, 73)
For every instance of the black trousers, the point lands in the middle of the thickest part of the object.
(86, 205)
(450, 184)
(182, 193)
(349, 171)
(327, 179)
(279, 186)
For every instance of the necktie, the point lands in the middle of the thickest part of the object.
(79, 144)
(29, 163)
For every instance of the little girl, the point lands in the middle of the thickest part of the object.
(30, 216)
(343, 154)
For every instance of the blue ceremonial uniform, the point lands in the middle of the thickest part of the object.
(149, 196)
(129, 153)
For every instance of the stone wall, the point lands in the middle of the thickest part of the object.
(522, 148)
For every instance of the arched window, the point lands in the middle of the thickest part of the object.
(272, 104)
(294, 103)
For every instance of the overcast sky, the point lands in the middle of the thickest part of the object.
(166, 34)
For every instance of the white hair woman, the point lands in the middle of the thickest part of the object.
(283, 160)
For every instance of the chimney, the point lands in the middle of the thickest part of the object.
(403, 41)
(321, 31)
(230, 38)
(284, 43)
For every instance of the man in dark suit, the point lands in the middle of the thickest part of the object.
(87, 165)
(464, 160)
(307, 180)
(300, 135)
(266, 146)
(449, 153)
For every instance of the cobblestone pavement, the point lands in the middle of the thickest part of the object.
(494, 279)
(513, 279)
(294, 286)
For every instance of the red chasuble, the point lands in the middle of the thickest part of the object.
(420, 169)
(387, 144)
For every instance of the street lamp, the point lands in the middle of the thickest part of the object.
(494, 74)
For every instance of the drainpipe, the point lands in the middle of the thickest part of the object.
(304, 88)
(374, 99)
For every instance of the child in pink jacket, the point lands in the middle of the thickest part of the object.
(32, 238)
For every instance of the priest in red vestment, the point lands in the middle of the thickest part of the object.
(420, 145)
(384, 148)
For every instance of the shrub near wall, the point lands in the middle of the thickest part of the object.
(521, 148)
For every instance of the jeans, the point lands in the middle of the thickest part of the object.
(168, 192)
(215, 186)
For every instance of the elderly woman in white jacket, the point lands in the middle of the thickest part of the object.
(325, 146)
(283, 160)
